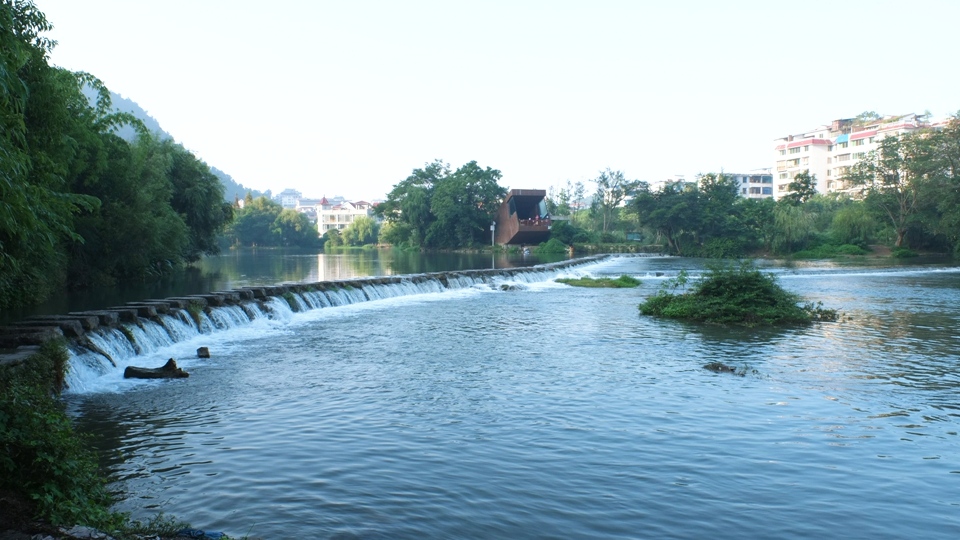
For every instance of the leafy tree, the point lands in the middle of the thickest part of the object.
(944, 192)
(612, 189)
(564, 201)
(255, 223)
(866, 117)
(667, 211)
(464, 203)
(802, 189)
(437, 208)
(893, 176)
(793, 227)
(756, 218)
(362, 230)
(292, 228)
(408, 204)
(332, 238)
(716, 208)
(852, 224)
(198, 198)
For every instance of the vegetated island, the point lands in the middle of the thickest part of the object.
(622, 282)
(734, 295)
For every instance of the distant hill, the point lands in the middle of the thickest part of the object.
(231, 188)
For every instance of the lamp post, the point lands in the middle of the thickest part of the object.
(493, 228)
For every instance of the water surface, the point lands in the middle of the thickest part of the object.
(549, 411)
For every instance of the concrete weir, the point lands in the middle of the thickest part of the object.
(22, 338)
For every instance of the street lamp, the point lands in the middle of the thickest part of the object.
(493, 227)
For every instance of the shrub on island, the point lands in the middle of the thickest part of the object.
(741, 295)
(622, 282)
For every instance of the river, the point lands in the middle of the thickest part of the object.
(533, 409)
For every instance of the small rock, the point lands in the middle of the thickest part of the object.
(203, 352)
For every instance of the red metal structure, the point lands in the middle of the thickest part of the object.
(523, 218)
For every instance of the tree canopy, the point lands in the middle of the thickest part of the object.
(78, 204)
(435, 207)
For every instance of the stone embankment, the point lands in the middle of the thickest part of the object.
(24, 337)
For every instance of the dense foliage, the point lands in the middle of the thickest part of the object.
(78, 204)
(622, 282)
(435, 207)
(741, 295)
(43, 463)
(264, 222)
(904, 194)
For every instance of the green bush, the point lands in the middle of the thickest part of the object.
(734, 295)
(44, 463)
(828, 251)
(552, 246)
(622, 282)
(903, 253)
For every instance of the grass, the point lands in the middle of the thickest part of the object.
(622, 282)
(741, 295)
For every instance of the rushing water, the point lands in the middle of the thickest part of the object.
(547, 411)
(268, 266)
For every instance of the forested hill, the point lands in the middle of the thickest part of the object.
(231, 188)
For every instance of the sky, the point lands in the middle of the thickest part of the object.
(349, 97)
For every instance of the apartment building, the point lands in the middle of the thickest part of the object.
(338, 214)
(829, 151)
(753, 185)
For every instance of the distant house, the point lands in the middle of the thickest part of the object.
(754, 185)
(288, 198)
(523, 218)
(338, 215)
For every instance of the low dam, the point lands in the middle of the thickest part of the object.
(100, 339)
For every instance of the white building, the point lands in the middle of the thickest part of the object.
(829, 151)
(338, 215)
(288, 198)
(756, 184)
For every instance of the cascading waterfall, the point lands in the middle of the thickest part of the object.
(112, 348)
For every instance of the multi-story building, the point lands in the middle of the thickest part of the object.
(831, 150)
(753, 185)
(338, 215)
(288, 198)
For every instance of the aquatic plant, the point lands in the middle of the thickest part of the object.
(195, 308)
(741, 295)
(622, 282)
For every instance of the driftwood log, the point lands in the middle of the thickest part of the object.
(168, 371)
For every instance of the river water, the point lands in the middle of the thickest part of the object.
(548, 411)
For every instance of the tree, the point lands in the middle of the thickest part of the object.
(666, 211)
(292, 228)
(793, 227)
(363, 230)
(256, 223)
(437, 208)
(198, 198)
(802, 189)
(893, 176)
(612, 189)
(408, 203)
(945, 184)
(464, 204)
(332, 238)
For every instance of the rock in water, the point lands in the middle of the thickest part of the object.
(168, 371)
(203, 352)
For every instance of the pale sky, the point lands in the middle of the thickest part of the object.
(348, 97)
